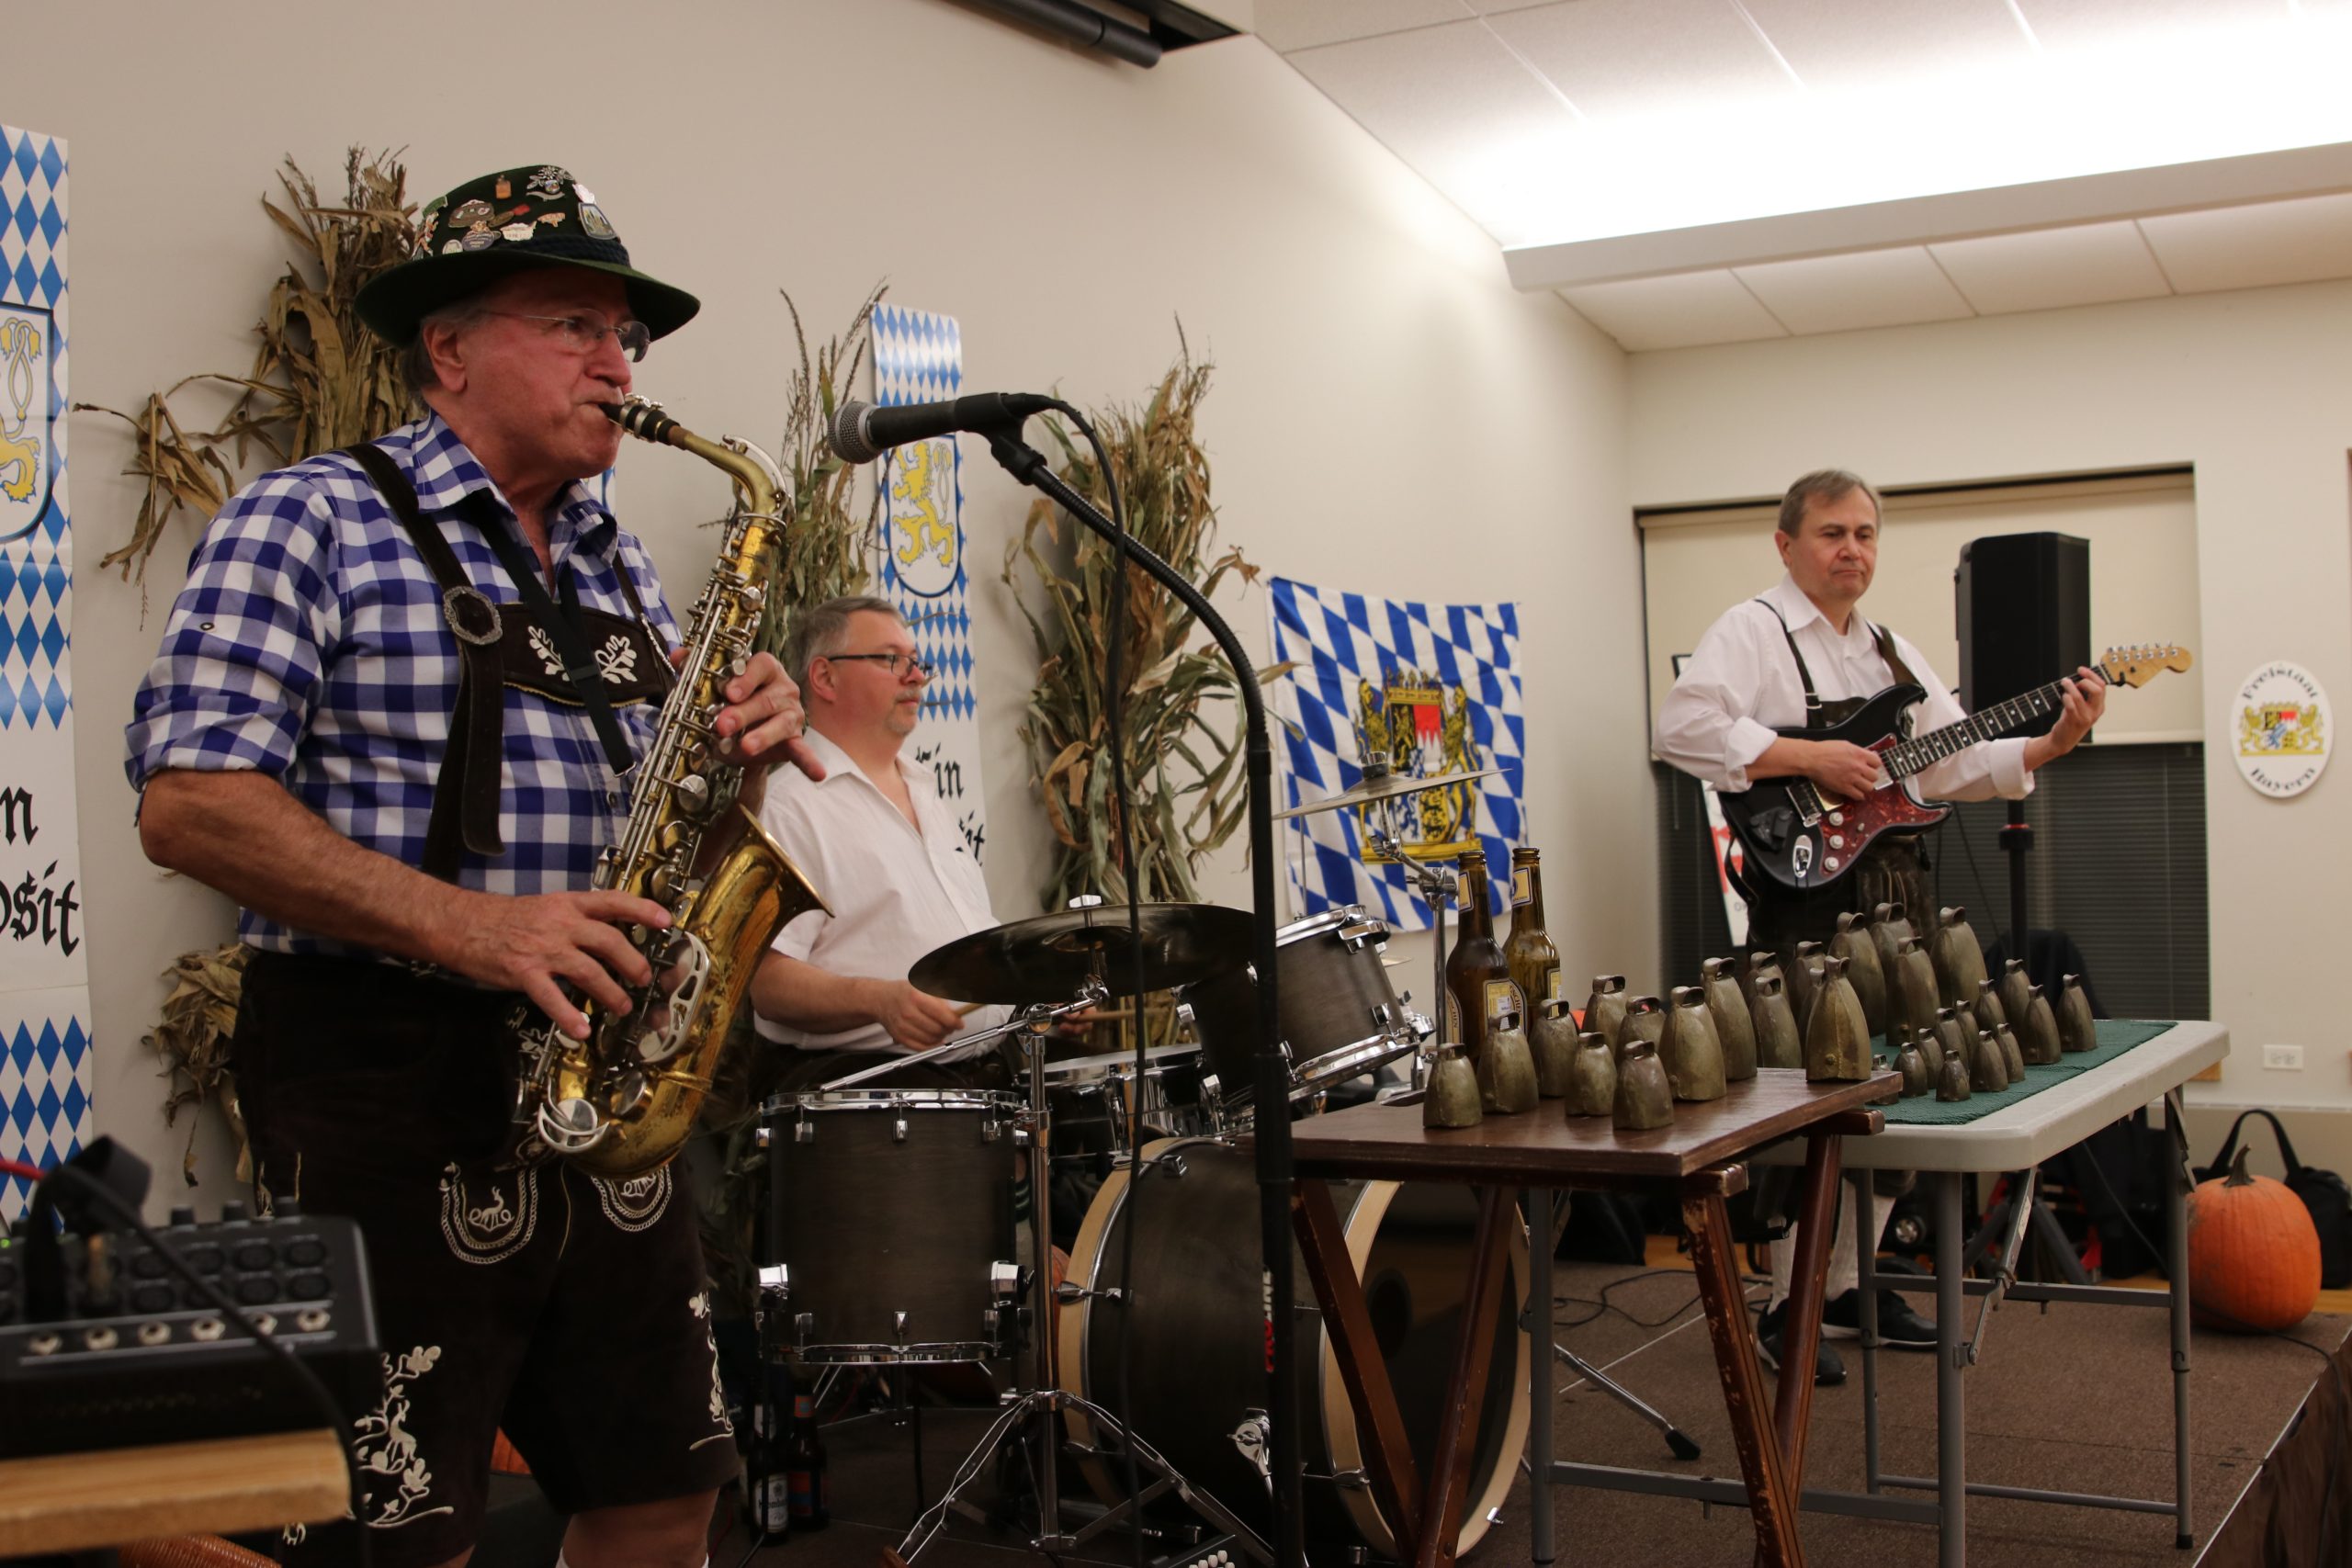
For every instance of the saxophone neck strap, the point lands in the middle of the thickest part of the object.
(465, 795)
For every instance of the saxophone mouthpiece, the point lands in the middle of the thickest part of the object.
(642, 419)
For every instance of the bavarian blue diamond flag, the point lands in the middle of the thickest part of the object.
(44, 965)
(1421, 689)
(918, 358)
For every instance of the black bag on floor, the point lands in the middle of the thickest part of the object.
(2323, 1191)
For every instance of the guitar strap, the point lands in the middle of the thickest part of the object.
(1891, 871)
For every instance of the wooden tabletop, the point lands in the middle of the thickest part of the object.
(70, 1502)
(1546, 1147)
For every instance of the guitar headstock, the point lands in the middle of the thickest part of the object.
(2138, 665)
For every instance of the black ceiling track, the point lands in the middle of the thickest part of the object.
(1168, 24)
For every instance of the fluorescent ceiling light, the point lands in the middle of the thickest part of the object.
(2137, 102)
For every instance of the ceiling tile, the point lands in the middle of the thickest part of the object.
(1457, 106)
(1833, 49)
(2090, 264)
(2249, 247)
(1868, 289)
(1286, 24)
(2069, 25)
(1679, 311)
(1629, 60)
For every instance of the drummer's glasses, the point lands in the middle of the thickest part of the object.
(900, 663)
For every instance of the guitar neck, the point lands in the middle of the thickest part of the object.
(1990, 724)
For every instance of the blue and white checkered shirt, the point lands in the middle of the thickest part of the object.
(309, 644)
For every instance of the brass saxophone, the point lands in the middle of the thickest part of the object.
(623, 1101)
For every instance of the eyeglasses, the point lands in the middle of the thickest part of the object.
(586, 331)
(900, 663)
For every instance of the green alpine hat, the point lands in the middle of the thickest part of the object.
(509, 222)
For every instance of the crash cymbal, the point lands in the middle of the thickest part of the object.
(1382, 786)
(1052, 957)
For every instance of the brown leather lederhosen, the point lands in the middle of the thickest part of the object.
(1894, 870)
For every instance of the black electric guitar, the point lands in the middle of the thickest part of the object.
(1802, 837)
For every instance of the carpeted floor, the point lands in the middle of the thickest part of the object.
(2075, 1397)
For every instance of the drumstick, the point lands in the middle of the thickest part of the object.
(969, 1009)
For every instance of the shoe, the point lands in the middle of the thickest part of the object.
(1827, 1370)
(1899, 1327)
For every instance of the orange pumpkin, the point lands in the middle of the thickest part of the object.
(2253, 1255)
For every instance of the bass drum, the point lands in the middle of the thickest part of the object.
(1198, 1371)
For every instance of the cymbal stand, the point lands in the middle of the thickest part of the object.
(1435, 884)
(1041, 1406)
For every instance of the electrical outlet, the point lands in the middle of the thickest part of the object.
(2283, 1058)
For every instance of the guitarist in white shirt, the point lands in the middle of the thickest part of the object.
(1751, 677)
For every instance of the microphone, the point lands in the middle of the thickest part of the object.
(862, 433)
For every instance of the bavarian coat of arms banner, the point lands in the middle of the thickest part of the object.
(1413, 688)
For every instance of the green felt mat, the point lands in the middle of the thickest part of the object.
(2116, 1035)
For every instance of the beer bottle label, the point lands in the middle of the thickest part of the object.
(1522, 890)
(1503, 1001)
(1453, 1017)
(1551, 984)
(773, 1505)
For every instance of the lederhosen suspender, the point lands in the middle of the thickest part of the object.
(524, 646)
(1817, 714)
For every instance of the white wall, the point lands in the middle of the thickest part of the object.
(1379, 384)
(2251, 389)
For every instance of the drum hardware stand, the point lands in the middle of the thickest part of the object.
(1675, 1440)
(1435, 884)
(1044, 1402)
(1535, 1320)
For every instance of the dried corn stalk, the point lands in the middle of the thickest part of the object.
(320, 378)
(1183, 760)
(199, 1015)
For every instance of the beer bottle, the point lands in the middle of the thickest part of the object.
(1534, 962)
(1486, 1005)
(766, 1489)
(810, 1494)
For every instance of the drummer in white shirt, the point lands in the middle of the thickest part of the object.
(875, 840)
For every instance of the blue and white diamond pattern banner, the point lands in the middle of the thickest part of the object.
(44, 970)
(1421, 690)
(918, 358)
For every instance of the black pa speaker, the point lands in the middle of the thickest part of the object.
(2025, 616)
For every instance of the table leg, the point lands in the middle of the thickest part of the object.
(2176, 1267)
(1866, 1284)
(1800, 1328)
(1771, 1498)
(1952, 1441)
(1447, 1490)
(1540, 1206)
(1380, 1427)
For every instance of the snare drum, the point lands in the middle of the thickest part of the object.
(1091, 1096)
(1339, 1015)
(891, 1212)
(1196, 1376)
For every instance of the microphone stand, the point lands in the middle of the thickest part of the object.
(1026, 464)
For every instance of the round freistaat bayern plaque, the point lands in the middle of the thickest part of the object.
(2281, 723)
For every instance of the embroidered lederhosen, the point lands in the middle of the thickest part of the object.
(1892, 870)
(506, 1298)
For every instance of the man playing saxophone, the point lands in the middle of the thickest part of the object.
(395, 716)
